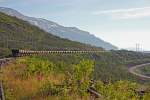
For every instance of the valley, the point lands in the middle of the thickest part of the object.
(48, 67)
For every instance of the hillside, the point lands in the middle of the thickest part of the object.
(16, 33)
(40, 78)
(58, 76)
(71, 33)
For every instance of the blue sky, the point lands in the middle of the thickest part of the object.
(121, 22)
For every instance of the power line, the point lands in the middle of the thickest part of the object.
(138, 48)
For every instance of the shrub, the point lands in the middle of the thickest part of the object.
(39, 66)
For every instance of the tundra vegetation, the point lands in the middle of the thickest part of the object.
(38, 78)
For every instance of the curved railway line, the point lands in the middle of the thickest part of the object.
(132, 70)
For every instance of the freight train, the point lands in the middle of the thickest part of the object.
(17, 52)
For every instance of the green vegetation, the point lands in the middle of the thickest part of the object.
(110, 66)
(4, 52)
(65, 76)
(16, 33)
(121, 90)
(38, 78)
(35, 77)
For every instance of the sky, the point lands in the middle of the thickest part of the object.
(120, 22)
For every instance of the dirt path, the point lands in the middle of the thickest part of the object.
(132, 70)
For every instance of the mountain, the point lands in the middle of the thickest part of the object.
(16, 33)
(71, 33)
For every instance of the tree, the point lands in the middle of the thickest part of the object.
(82, 75)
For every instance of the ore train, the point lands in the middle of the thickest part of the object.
(17, 52)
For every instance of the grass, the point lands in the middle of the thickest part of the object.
(37, 78)
(23, 82)
(18, 85)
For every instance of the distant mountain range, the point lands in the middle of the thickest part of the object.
(71, 33)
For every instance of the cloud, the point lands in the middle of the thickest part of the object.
(126, 13)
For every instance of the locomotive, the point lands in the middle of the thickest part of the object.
(15, 52)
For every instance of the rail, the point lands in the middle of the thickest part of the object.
(94, 92)
(3, 62)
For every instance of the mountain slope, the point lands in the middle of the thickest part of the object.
(16, 33)
(71, 33)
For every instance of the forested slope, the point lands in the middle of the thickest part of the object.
(16, 33)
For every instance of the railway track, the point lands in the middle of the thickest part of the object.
(3, 62)
(94, 93)
(132, 70)
(2, 97)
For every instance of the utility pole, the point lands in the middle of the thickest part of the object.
(137, 47)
